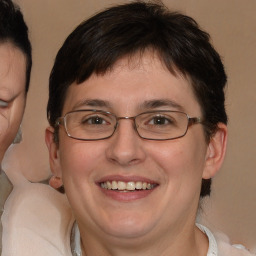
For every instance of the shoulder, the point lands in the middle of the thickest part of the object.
(36, 221)
(220, 245)
(226, 249)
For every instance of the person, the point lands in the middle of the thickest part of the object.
(15, 69)
(138, 128)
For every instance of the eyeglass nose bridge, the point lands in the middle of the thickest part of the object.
(127, 118)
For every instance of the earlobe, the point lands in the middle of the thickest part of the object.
(215, 152)
(56, 183)
(53, 155)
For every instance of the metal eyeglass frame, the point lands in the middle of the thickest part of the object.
(62, 121)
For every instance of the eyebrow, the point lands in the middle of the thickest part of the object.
(157, 103)
(92, 103)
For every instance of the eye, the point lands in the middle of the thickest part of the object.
(95, 120)
(160, 120)
(3, 104)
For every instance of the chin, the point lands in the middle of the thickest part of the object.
(127, 227)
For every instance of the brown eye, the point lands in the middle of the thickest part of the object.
(160, 120)
(95, 120)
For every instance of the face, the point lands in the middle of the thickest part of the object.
(12, 93)
(175, 168)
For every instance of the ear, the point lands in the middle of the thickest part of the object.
(56, 179)
(216, 152)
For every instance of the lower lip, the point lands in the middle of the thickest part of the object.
(127, 196)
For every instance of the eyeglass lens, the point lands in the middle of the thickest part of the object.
(95, 125)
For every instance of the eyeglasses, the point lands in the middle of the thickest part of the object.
(99, 125)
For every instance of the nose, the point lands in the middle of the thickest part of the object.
(126, 147)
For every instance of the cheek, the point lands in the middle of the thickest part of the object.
(180, 160)
(10, 119)
(79, 159)
(78, 162)
(181, 167)
(4, 124)
(5, 140)
(5, 119)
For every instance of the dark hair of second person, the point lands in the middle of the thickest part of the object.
(14, 29)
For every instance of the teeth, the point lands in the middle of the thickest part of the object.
(121, 185)
(109, 185)
(138, 185)
(131, 185)
(114, 185)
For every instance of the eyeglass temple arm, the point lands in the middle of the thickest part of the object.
(59, 121)
(195, 120)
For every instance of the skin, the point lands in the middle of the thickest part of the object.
(12, 93)
(117, 223)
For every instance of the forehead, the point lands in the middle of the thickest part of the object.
(131, 82)
(12, 68)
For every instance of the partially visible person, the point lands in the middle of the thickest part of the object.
(31, 221)
(138, 128)
(15, 68)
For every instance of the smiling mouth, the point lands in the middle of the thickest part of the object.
(127, 186)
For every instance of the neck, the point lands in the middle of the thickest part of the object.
(173, 244)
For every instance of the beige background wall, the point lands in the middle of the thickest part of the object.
(232, 25)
